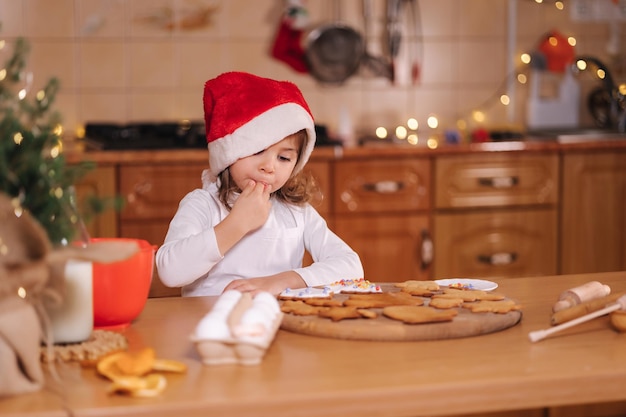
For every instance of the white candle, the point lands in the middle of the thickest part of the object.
(72, 321)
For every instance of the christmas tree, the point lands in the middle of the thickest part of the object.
(33, 170)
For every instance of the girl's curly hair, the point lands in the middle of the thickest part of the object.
(300, 188)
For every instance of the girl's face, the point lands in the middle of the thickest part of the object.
(272, 166)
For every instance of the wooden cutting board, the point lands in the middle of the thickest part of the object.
(381, 328)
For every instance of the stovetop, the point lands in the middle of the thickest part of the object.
(161, 135)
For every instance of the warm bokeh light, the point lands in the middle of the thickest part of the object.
(432, 122)
(461, 124)
(412, 139)
(412, 123)
(622, 89)
(504, 99)
(478, 116)
(525, 58)
(432, 143)
(571, 40)
(522, 79)
(581, 64)
(381, 132)
(600, 73)
(559, 5)
(18, 138)
(401, 132)
(57, 149)
(58, 130)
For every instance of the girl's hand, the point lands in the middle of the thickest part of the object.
(274, 284)
(252, 208)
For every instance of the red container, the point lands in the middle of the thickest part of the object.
(120, 289)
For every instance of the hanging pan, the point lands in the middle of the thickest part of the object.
(333, 51)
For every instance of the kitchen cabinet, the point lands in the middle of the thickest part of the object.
(593, 218)
(321, 173)
(101, 183)
(381, 211)
(495, 244)
(152, 194)
(414, 213)
(495, 215)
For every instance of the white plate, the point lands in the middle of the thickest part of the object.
(472, 284)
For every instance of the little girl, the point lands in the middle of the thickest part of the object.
(249, 225)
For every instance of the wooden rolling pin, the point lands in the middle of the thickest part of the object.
(581, 309)
(619, 304)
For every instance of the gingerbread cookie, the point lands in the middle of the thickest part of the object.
(323, 302)
(489, 306)
(442, 303)
(340, 313)
(305, 293)
(419, 288)
(418, 314)
(300, 308)
(382, 300)
(469, 295)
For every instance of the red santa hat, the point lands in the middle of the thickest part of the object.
(245, 114)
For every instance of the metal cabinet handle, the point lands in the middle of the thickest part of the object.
(383, 187)
(140, 189)
(500, 258)
(427, 250)
(499, 182)
(143, 187)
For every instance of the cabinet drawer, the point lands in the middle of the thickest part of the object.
(381, 186)
(321, 173)
(153, 192)
(496, 180)
(496, 244)
(99, 183)
(390, 246)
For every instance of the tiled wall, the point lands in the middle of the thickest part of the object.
(117, 61)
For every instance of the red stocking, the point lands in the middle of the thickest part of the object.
(287, 45)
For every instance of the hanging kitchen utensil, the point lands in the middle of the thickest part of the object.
(396, 20)
(378, 65)
(416, 51)
(394, 33)
(334, 51)
(599, 104)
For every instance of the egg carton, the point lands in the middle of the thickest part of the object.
(246, 343)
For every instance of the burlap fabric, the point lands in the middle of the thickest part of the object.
(26, 279)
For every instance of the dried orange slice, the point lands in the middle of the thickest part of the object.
(148, 386)
(168, 365)
(108, 368)
(137, 363)
(131, 373)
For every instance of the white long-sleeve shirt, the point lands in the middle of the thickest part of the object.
(190, 258)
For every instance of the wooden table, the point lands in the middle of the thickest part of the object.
(310, 376)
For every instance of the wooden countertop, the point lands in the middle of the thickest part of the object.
(77, 153)
(322, 377)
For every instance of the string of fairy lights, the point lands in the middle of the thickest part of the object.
(411, 133)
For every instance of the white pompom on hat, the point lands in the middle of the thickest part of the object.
(245, 114)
